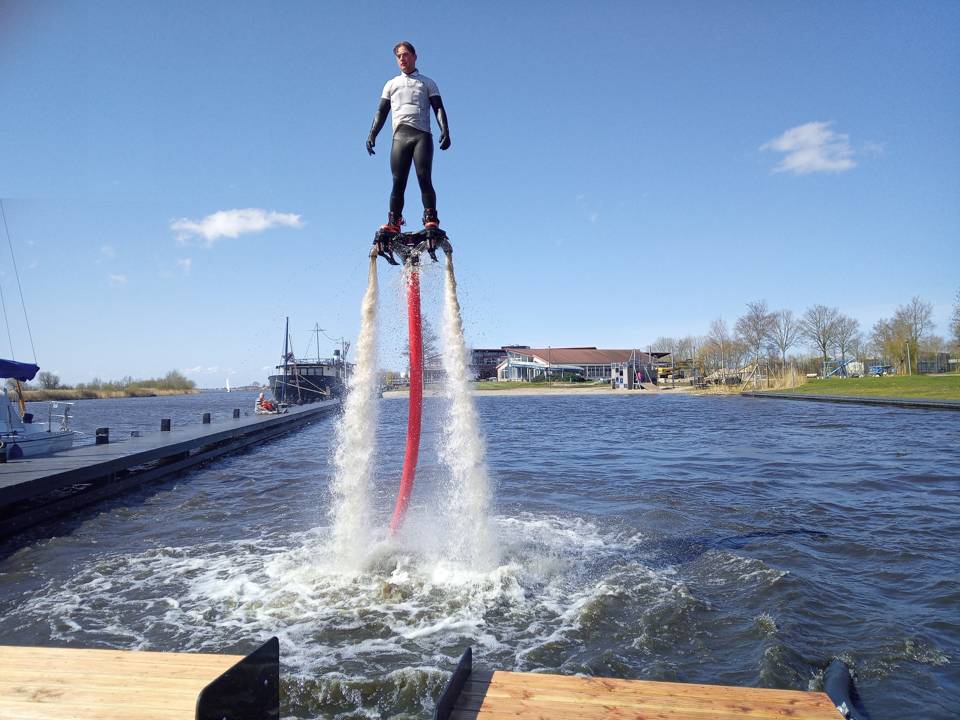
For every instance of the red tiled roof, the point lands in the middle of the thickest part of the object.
(580, 355)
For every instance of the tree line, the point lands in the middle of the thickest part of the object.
(769, 337)
(173, 380)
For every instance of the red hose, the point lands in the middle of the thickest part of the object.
(416, 399)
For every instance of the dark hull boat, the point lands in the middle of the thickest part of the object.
(305, 381)
(299, 381)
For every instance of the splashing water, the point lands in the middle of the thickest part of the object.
(463, 450)
(356, 441)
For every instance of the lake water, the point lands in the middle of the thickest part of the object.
(714, 540)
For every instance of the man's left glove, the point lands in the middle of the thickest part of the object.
(444, 141)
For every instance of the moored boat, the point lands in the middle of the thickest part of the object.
(309, 379)
(20, 437)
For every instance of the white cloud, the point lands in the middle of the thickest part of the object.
(117, 280)
(231, 224)
(108, 252)
(812, 148)
(208, 370)
(185, 264)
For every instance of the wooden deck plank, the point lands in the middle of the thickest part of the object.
(34, 711)
(525, 696)
(75, 684)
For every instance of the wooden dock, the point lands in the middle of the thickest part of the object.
(40, 683)
(61, 684)
(501, 695)
(35, 489)
(74, 684)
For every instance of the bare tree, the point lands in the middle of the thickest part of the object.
(889, 339)
(48, 380)
(431, 347)
(664, 344)
(819, 325)
(846, 335)
(719, 336)
(955, 321)
(784, 332)
(753, 328)
(917, 319)
(917, 315)
(933, 344)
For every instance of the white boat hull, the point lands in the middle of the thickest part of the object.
(36, 444)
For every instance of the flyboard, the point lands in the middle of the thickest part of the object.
(410, 246)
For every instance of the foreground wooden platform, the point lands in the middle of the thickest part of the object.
(501, 695)
(34, 489)
(70, 684)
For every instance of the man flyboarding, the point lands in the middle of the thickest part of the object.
(409, 98)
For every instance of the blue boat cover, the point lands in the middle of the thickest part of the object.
(18, 370)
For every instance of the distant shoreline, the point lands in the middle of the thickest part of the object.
(535, 390)
(56, 395)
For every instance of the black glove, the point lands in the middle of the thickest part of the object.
(444, 141)
(371, 142)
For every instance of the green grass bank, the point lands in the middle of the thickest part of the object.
(930, 387)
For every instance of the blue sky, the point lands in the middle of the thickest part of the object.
(619, 170)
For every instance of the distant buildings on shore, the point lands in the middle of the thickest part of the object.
(521, 363)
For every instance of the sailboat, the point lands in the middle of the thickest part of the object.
(20, 437)
(228, 384)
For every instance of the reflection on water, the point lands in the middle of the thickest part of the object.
(695, 539)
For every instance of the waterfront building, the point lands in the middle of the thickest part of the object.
(624, 368)
(484, 361)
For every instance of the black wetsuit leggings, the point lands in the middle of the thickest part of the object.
(411, 146)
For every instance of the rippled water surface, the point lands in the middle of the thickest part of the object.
(721, 540)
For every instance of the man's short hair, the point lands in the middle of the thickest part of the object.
(407, 45)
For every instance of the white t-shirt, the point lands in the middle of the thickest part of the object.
(409, 97)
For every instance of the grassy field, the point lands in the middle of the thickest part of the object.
(933, 387)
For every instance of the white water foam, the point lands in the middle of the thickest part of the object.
(463, 451)
(356, 441)
(399, 605)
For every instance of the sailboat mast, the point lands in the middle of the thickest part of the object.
(286, 340)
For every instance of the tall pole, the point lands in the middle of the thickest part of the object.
(286, 342)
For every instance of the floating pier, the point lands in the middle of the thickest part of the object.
(35, 489)
(74, 684)
(500, 695)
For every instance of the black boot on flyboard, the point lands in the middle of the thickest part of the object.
(410, 245)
